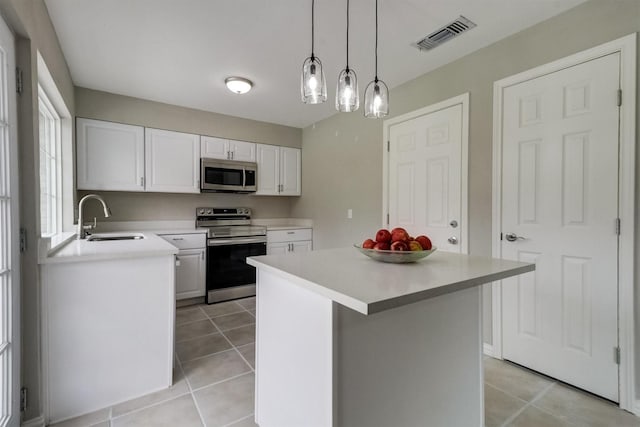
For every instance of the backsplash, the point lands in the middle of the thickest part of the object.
(131, 206)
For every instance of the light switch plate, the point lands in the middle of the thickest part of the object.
(349, 213)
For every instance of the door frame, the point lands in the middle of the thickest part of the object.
(626, 46)
(464, 164)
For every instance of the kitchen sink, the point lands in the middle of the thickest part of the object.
(114, 236)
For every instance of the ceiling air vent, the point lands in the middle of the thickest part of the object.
(445, 33)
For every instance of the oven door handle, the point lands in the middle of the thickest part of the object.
(228, 242)
(244, 177)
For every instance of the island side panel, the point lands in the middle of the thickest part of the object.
(416, 365)
(108, 330)
(294, 354)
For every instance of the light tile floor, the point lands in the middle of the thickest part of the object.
(214, 380)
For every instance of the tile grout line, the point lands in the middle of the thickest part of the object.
(233, 345)
(528, 404)
(193, 396)
(239, 419)
(111, 417)
(221, 381)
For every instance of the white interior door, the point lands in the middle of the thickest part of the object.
(9, 243)
(560, 194)
(425, 177)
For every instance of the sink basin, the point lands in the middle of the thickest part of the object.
(114, 236)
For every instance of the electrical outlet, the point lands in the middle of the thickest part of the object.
(349, 213)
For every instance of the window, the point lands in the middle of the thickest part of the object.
(50, 167)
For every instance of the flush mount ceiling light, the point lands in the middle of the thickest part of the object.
(238, 84)
(376, 95)
(347, 96)
(313, 86)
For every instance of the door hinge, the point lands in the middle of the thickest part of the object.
(500, 236)
(387, 219)
(23, 240)
(619, 97)
(23, 399)
(18, 81)
(616, 355)
(618, 226)
(388, 146)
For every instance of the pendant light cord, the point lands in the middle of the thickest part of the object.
(347, 68)
(312, 28)
(376, 75)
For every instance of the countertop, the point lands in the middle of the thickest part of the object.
(83, 250)
(369, 286)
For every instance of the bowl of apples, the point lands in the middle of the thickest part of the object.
(396, 246)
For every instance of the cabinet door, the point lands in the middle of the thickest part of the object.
(172, 161)
(304, 246)
(268, 160)
(190, 274)
(110, 156)
(290, 168)
(215, 148)
(242, 151)
(277, 248)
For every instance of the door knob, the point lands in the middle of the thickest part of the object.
(512, 237)
(453, 240)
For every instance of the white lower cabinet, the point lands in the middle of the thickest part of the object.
(280, 242)
(107, 332)
(191, 264)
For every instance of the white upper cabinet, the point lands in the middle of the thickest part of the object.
(268, 160)
(278, 170)
(290, 161)
(110, 156)
(172, 161)
(214, 148)
(242, 151)
(228, 149)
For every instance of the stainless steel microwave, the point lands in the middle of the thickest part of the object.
(228, 176)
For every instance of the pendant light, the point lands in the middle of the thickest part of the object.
(376, 95)
(313, 86)
(347, 96)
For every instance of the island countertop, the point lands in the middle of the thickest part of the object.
(84, 250)
(367, 286)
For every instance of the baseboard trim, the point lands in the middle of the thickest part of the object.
(34, 422)
(487, 349)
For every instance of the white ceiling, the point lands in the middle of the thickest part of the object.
(180, 51)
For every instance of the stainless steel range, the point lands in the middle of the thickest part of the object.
(230, 240)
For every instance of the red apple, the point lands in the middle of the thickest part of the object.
(399, 235)
(368, 244)
(425, 242)
(383, 235)
(381, 246)
(399, 246)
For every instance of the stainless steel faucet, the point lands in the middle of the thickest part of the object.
(82, 229)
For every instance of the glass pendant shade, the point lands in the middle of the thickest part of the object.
(313, 86)
(376, 100)
(347, 95)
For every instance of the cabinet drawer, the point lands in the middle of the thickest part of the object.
(186, 241)
(293, 235)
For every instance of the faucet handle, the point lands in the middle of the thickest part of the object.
(91, 226)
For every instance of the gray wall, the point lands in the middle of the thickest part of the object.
(140, 206)
(34, 32)
(342, 155)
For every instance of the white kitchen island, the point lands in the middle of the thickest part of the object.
(345, 341)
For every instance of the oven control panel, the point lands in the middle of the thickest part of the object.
(223, 212)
